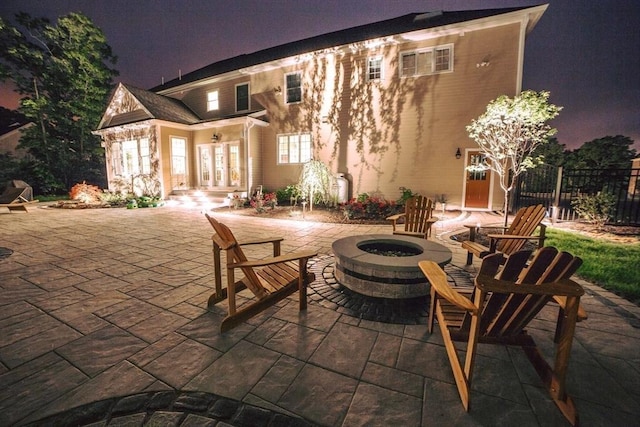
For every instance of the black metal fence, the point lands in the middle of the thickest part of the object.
(556, 188)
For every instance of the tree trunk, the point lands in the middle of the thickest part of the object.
(506, 210)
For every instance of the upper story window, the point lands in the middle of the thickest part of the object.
(212, 100)
(293, 87)
(426, 61)
(294, 148)
(242, 97)
(374, 68)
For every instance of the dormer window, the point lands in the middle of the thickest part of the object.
(212, 100)
(423, 62)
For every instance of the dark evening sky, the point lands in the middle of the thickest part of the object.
(586, 53)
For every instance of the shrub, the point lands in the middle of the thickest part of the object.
(85, 193)
(113, 199)
(316, 182)
(407, 193)
(366, 207)
(289, 194)
(596, 209)
(261, 201)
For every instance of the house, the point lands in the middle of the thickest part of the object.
(10, 138)
(385, 104)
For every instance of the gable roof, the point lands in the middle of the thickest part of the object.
(164, 107)
(149, 105)
(10, 120)
(403, 24)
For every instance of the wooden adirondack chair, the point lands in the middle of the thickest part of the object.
(277, 278)
(498, 309)
(418, 218)
(13, 199)
(516, 235)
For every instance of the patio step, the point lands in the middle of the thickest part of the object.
(198, 198)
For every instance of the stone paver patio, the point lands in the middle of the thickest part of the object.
(107, 308)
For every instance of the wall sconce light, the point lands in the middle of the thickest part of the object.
(215, 137)
(277, 90)
(486, 61)
(458, 153)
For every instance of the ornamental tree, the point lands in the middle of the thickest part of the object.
(62, 71)
(508, 132)
(316, 182)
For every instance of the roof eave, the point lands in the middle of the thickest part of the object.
(529, 16)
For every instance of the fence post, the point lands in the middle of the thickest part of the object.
(556, 200)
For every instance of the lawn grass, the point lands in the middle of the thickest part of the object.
(54, 198)
(613, 266)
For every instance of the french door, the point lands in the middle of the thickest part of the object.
(220, 165)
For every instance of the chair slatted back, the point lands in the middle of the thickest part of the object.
(524, 224)
(508, 314)
(227, 241)
(12, 195)
(418, 211)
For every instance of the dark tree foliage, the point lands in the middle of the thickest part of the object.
(553, 153)
(63, 73)
(609, 152)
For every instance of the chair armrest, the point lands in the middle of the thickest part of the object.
(474, 228)
(501, 227)
(438, 280)
(268, 261)
(562, 302)
(511, 237)
(562, 288)
(260, 241)
(395, 217)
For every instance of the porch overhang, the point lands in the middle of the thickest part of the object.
(250, 119)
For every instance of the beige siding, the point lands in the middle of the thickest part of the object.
(196, 98)
(255, 162)
(165, 155)
(401, 132)
(383, 135)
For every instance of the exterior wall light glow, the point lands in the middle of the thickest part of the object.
(458, 153)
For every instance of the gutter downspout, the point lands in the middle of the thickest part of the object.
(248, 159)
(521, 42)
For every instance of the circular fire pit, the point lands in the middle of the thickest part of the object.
(386, 266)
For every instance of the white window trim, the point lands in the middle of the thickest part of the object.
(140, 160)
(286, 88)
(373, 58)
(217, 100)
(433, 51)
(186, 153)
(235, 92)
(288, 135)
